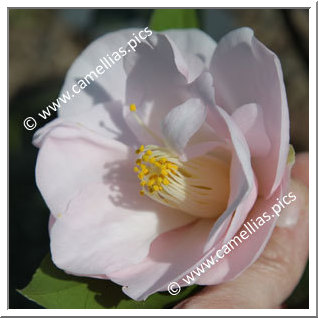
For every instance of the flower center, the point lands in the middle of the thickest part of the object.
(198, 187)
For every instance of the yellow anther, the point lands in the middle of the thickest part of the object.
(164, 172)
(172, 166)
(141, 192)
(145, 158)
(141, 149)
(132, 107)
(153, 170)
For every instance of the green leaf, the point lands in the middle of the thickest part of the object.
(291, 155)
(163, 19)
(51, 288)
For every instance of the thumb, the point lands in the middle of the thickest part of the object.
(270, 280)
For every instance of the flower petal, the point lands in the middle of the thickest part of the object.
(170, 254)
(249, 118)
(247, 72)
(247, 252)
(243, 184)
(90, 187)
(182, 122)
(106, 229)
(105, 119)
(196, 48)
(154, 84)
(109, 85)
(242, 176)
(71, 157)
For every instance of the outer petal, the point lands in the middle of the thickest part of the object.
(101, 222)
(182, 122)
(105, 230)
(170, 254)
(108, 86)
(105, 119)
(247, 252)
(196, 48)
(245, 71)
(71, 157)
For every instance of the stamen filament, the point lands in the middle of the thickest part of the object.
(133, 109)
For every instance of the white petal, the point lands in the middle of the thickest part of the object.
(108, 86)
(196, 47)
(182, 122)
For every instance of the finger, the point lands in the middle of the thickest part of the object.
(270, 280)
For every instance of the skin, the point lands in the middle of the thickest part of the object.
(269, 281)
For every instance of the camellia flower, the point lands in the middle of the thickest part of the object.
(159, 162)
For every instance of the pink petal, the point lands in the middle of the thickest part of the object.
(247, 252)
(249, 118)
(245, 71)
(108, 227)
(241, 173)
(182, 122)
(105, 119)
(154, 84)
(109, 85)
(202, 148)
(100, 222)
(196, 48)
(71, 157)
(243, 185)
(170, 254)
(243, 193)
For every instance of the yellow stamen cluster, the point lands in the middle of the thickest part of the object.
(153, 170)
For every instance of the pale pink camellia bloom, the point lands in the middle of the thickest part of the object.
(211, 129)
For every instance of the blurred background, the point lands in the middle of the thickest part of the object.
(43, 43)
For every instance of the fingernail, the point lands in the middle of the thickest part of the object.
(289, 216)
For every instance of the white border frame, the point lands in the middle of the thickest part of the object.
(312, 155)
